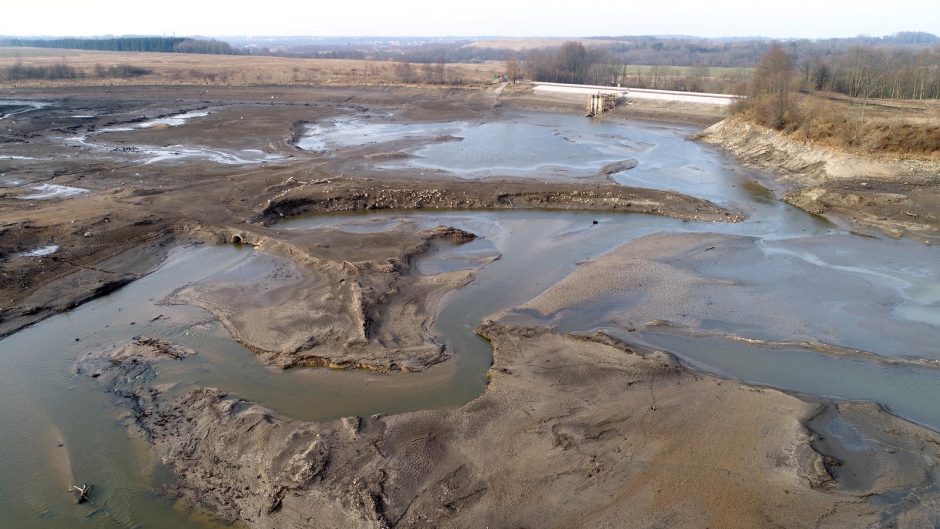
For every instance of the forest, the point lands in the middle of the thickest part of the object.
(147, 44)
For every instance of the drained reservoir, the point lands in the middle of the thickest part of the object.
(865, 310)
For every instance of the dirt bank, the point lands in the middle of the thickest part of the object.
(896, 195)
(598, 431)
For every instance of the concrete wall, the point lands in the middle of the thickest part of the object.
(637, 93)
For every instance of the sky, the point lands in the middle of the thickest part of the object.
(521, 18)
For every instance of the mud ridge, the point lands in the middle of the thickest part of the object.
(342, 196)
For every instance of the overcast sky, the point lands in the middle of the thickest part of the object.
(790, 18)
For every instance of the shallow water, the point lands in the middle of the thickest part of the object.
(12, 107)
(345, 132)
(51, 192)
(543, 147)
(39, 252)
(46, 404)
(170, 121)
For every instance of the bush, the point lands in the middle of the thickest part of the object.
(900, 137)
(122, 71)
(824, 123)
(21, 72)
(768, 110)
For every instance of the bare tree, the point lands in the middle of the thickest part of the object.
(867, 74)
(771, 84)
(513, 69)
(405, 71)
(440, 70)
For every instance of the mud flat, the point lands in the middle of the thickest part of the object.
(356, 300)
(626, 388)
(599, 431)
(895, 195)
(139, 193)
(612, 427)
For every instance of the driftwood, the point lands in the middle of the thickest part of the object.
(83, 492)
(163, 347)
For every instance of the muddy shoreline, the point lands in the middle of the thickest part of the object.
(138, 210)
(244, 462)
(896, 196)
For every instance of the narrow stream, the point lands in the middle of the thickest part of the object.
(45, 404)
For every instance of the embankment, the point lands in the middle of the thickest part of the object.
(866, 191)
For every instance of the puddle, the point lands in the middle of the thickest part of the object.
(51, 192)
(12, 107)
(171, 121)
(346, 132)
(39, 252)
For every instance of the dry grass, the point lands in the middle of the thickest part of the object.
(229, 70)
(878, 126)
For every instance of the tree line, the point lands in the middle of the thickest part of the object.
(741, 52)
(61, 70)
(145, 44)
(774, 100)
(859, 71)
(876, 72)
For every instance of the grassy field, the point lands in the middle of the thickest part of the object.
(232, 70)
